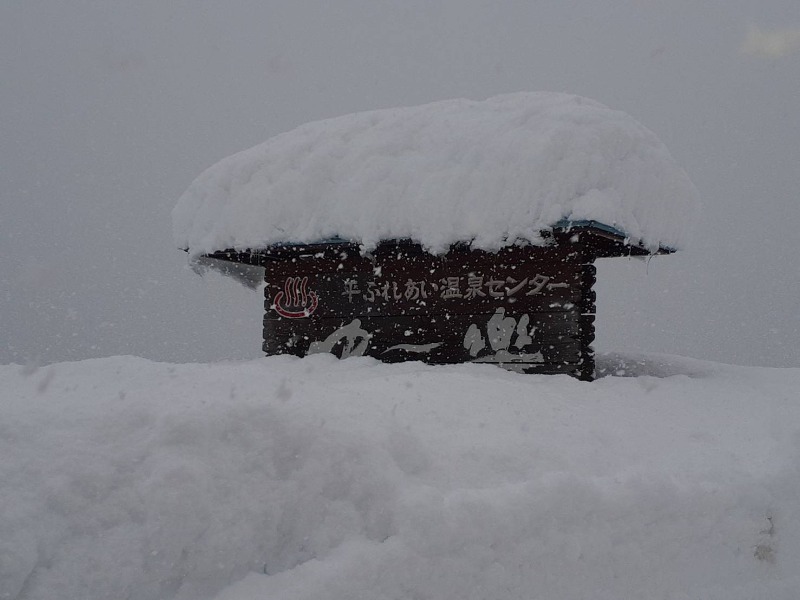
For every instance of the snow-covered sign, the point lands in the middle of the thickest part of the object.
(451, 232)
(489, 173)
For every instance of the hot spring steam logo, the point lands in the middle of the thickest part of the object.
(296, 301)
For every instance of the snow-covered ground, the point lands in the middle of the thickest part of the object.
(315, 478)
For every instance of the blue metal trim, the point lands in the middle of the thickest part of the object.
(567, 224)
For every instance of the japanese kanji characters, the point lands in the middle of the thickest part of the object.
(472, 287)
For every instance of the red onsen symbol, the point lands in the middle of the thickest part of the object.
(295, 302)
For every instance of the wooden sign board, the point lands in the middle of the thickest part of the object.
(526, 308)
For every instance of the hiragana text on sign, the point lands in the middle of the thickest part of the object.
(470, 287)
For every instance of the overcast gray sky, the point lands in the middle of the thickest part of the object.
(110, 108)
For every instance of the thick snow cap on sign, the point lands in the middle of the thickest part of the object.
(491, 173)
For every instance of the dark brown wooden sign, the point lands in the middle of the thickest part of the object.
(524, 308)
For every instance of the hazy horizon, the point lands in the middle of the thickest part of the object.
(110, 109)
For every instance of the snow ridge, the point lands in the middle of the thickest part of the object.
(314, 478)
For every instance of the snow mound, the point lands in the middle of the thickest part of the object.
(284, 478)
(490, 172)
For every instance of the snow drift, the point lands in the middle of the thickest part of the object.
(285, 478)
(490, 172)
